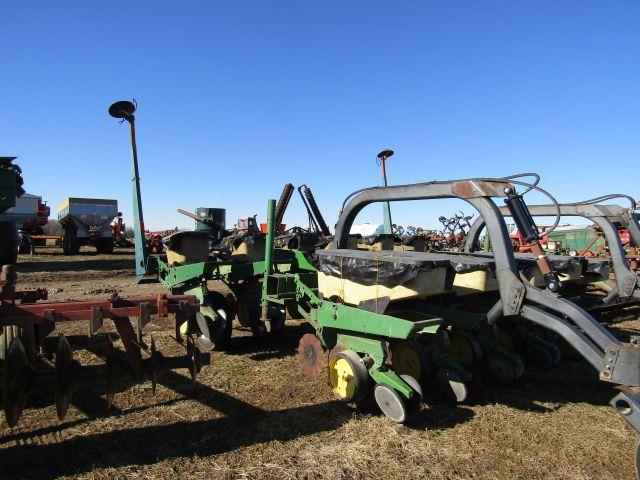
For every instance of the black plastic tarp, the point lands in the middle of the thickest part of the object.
(389, 268)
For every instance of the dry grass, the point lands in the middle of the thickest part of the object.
(254, 416)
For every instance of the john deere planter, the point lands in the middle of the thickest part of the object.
(392, 321)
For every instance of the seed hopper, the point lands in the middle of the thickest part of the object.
(392, 321)
(210, 253)
(624, 290)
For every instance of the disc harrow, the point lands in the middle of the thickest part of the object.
(28, 358)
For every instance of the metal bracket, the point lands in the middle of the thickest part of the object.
(182, 315)
(627, 405)
(622, 363)
(143, 319)
(96, 321)
(49, 321)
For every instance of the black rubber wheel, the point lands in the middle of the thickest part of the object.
(539, 357)
(500, 369)
(409, 357)
(105, 245)
(277, 318)
(451, 385)
(222, 334)
(8, 243)
(248, 303)
(70, 244)
(25, 244)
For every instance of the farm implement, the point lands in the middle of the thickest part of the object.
(235, 257)
(210, 253)
(393, 321)
(31, 355)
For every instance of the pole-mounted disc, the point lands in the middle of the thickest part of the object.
(384, 154)
(122, 109)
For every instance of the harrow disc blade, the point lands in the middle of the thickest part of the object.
(15, 382)
(65, 376)
(311, 355)
(205, 334)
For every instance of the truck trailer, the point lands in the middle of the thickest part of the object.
(87, 221)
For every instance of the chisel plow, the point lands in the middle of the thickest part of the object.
(31, 353)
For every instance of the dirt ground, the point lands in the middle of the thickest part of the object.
(253, 415)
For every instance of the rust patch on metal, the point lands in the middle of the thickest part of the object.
(479, 188)
(311, 355)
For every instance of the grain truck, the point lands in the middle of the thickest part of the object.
(87, 221)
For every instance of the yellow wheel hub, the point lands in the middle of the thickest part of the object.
(406, 360)
(342, 378)
(461, 349)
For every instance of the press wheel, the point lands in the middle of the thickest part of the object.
(509, 341)
(348, 376)
(277, 317)
(215, 321)
(409, 357)
(248, 309)
(452, 385)
(413, 405)
(500, 368)
(392, 404)
(248, 303)
(539, 356)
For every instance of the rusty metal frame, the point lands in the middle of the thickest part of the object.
(115, 308)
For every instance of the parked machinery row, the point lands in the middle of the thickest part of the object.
(387, 321)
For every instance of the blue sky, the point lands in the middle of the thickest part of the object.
(238, 98)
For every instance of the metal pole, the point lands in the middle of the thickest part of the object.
(138, 228)
(268, 265)
(124, 110)
(386, 208)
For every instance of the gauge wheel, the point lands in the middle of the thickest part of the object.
(464, 349)
(409, 357)
(500, 368)
(348, 375)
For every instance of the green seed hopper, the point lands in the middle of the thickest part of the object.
(191, 261)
